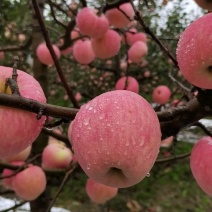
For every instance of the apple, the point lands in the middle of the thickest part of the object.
(83, 52)
(19, 128)
(44, 55)
(20, 156)
(67, 51)
(56, 155)
(137, 51)
(116, 138)
(29, 183)
(205, 4)
(99, 193)
(194, 52)
(118, 18)
(107, 46)
(161, 94)
(200, 164)
(90, 24)
(8, 181)
(78, 96)
(127, 83)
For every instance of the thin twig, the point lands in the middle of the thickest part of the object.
(15, 206)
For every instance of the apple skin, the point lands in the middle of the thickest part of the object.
(132, 84)
(205, 4)
(200, 164)
(27, 127)
(99, 193)
(114, 138)
(20, 156)
(56, 155)
(29, 183)
(161, 94)
(194, 52)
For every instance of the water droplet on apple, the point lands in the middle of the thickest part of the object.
(127, 144)
(90, 108)
(86, 121)
(101, 116)
(141, 143)
(88, 166)
(148, 174)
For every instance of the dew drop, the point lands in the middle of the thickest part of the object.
(141, 143)
(108, 124)
(87, 106)
(133, 121)
(94, 110)
(112, 130)
(101, 116)
(86, 121)
(88, 166)
(90, 108)
(148, 174)
(127, 144)
(125, 153)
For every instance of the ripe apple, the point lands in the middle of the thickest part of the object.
(29, 183)
(116, 138)
(56, 155)
(161, 94)
(127, 83)
(8, 182)
(205, 4)
(200, 164)
(19, 128)
(107, 46)
(167, 142)
(118, 18)
(137, 51)
(90, 24)
(194, 52)
(99, 193)
(83, 52)
(44, 55)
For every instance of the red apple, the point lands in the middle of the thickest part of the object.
(8, 181)
(19, 128)
(205, 4)
(98, 192)
(29, 183)
(44, 55)
(127, 83)
(56, 155)
(90, 24)
(200, 163)
(167, 142)
(107, 46)
(161, 94)
(194, 52)
(116, 138)
(118, 18)
(83, 52)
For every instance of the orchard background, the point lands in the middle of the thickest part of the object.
(170, 185)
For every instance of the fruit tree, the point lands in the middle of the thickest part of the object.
(99, 88)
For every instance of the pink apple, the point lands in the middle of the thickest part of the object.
(107, 46)
(161, 94)
(140, 36)
(205, 4)
(67, 51)
(116, 138)
(56, 156)
(78, 96)
(83, 52)
(27, 127)
(127, 83)
(8, 182)
(44, 55)
(30, 183)
(1, 55)
(90, 24)
(20, 156)
(200, 163)
(119, 19)
(194, 52)
(98, 192)
(137, 51)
